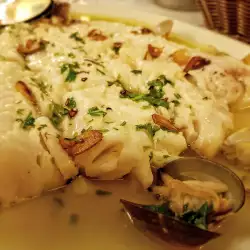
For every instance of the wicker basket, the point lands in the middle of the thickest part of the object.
(231, 17)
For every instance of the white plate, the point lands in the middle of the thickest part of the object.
(187, 31)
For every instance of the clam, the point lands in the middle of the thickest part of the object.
(219, 190)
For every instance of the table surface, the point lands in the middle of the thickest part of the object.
(194, 17)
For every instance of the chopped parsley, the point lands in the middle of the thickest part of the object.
(136, 72)
(58, 113)
(142, 97)
(71, 71)
(41, 85)
(178, 96)
(156, 86)
(123, 123)
(94, 111)
(58, 54)
(116, 82)
(102, 192)
(148, 128)
(76, 37)
(28, 122)
(103, 130)
(20, 111)
(2, 58)
(146, 107)
(176, 102)
(71, 76)
(94, 62)
(161, 209)
(42, 126)
(155, 95)
(71, 55)
(100, 71)
(164, 80)
(70, 103)
(197, 218)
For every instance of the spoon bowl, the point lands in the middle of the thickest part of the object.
(12, 12)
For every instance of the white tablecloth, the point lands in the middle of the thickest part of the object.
(193, 17)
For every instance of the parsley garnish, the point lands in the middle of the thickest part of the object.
(136, 72)
(94, 111)
(71, 55)
(156, 93)
(161, 209)
(146, 107)
(178, 96)
(116, 82)
(148, 98)
(100, 71)
(71, 76)
(176, 102)
(76, 36)
(81, 48)
(41, 85)
(123, 123)
(102, 192)
(198, 218)
(71, 72)
(20, 111)
(58, 54)
(103, 130)
(149, 129)
(94, 62)
(57, 114)
(70, 103)
(28, 122)
(42, 126)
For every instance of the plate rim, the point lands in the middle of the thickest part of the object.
(123, 12)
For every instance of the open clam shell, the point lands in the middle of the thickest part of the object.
(191, 168)
(170, 228)
(166, 227)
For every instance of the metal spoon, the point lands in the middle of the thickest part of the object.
(15, 11)
(172, 229)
